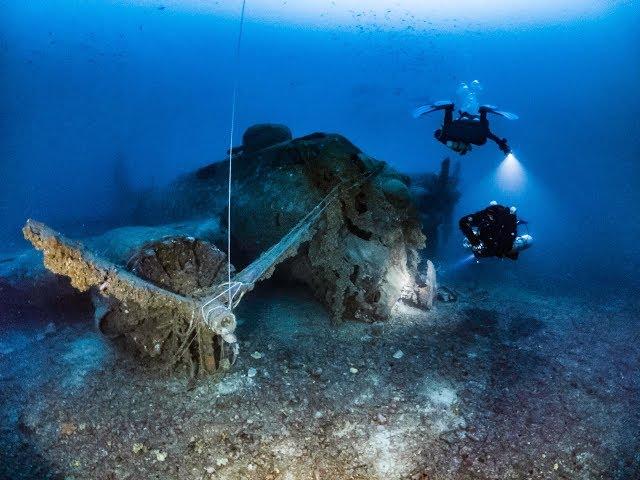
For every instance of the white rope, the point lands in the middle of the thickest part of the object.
(233, 121)
(206, 310)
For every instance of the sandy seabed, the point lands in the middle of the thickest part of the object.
(506, 383)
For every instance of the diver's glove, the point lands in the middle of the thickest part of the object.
(504, 147)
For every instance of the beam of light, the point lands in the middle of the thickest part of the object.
(463, 262)
(511, 176)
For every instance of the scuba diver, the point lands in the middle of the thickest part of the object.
(493, 232)
(467, 129)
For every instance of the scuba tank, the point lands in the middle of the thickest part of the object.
(522, 242)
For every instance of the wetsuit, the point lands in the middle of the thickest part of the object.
(469, 129)
(496, 229)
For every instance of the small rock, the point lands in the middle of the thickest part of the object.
(138, 448)
(50, 328)
(210, 470)
(295, 364)
(449, 438)
(221, 462)
(160, 456)
(446, 295)
(353, 370)
(381, 419)
(398, 355)
(67, 428)
(252, 372)
(197, 445)
(377, 328)
(256, 355)
(318, 414)
(316, 372)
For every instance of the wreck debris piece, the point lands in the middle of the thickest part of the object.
(159, 323)
(86, 270)
(446, 294)
(182, 265)
(436, 195)
(24, 280)
(422, 293)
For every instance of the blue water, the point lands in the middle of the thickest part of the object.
(104, 99)
(101, 97)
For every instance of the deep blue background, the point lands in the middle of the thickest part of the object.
(97, 96)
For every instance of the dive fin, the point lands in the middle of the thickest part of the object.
(494, 109)
(424, 109)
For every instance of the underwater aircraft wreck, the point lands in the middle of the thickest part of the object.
(316, 208)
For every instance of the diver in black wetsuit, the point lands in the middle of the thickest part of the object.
(467, 129)
(493, 232)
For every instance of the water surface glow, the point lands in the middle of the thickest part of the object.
(406, 14)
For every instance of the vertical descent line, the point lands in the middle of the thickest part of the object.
(233, 121)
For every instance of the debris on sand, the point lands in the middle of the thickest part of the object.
(160, 455)
(138, 448)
